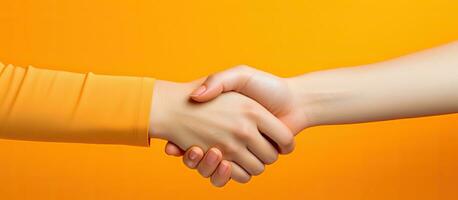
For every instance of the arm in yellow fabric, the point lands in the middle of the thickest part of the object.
(49, 105)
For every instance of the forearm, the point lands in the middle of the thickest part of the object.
(420, 84)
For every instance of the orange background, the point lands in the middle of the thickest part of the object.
(184, 40)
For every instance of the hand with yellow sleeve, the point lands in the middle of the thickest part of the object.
(48, 105)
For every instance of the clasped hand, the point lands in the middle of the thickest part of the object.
(241, 130)
(242, 118)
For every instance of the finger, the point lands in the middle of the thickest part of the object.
(214, 85)
(249, 162)
(192, 157)
(263, 149)
(209, 163)
(238, 174)
(275, 130)
(173, 150)
(222, 174)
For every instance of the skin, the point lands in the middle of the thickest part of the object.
(420, 84)
(232, 123)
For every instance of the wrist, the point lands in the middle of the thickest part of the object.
(168, 99)
(327, 97)
(159, 109)
(305, 116)
(315, 96)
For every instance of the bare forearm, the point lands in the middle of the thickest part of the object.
(421, 84)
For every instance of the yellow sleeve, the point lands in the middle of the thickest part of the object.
(49, 105)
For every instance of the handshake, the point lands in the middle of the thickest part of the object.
(231, 124)
(236, 121)
(248, 118)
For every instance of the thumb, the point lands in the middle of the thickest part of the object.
(229, 80)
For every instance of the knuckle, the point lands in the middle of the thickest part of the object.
(287, 144)
(242, 179)
(271, 159)
(230, 148)
(243, 132)
(203, 173)
(188, 163)
(217, 183)
(251, 110)
(212, 78)
(258, 170)
(239, 175)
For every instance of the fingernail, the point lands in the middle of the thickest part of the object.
(193, 154)
(199, 91)
(211, 157)
(223, 169)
